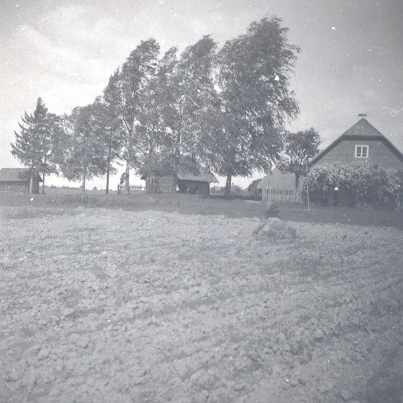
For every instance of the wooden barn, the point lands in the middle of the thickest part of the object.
(279, 187)
(184, 182)
(17, 180)
(361, 145)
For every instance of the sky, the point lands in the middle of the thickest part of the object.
(65, 50)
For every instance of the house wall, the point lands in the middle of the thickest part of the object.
(35, 187)
(194, 187)
(10, 186)
(204, 188)
(160, 184)
(343, 153)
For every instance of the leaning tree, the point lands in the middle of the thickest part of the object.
(108, 124)
(255, 100)
(174, 118)
(133, 88)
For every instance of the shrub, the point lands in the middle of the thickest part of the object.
(252, 189)
(341, 185)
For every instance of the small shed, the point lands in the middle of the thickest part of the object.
(17, 180)
(159, 184)
(279, 187)
(195, 184)
(183, 182)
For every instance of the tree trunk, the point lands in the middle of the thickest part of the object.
(83, 186)
(108, 170)
(296, 181)
(227, 192)
(127, 177)
(43, 184)
(31, 180)
(107, 180)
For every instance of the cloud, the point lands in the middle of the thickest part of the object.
(58, 58)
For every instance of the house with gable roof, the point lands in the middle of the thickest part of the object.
(361, 145)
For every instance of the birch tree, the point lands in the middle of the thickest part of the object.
(83, 157)
(134, 82)
(256, 101)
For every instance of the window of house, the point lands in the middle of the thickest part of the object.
(361, 151)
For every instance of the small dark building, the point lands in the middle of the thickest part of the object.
(184, 182)
(17, 180)
(195, 184)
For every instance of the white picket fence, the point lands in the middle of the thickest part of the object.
(133, 189)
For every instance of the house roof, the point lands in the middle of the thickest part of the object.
(362, 130)
(16, 175)
(188, 176)
(203, 177)
(277, 180)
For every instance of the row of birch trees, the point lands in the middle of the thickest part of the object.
(208, 108)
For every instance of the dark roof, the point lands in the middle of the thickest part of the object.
(188, 176)
(362, 130)
(16, 175)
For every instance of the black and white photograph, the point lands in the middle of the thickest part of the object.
(201, 201)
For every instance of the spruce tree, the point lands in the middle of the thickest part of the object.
(33, 142)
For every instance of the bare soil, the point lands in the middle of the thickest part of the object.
(236, 207)
(107, 305)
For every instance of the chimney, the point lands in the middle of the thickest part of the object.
(362, 115)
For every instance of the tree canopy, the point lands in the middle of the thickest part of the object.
(221, 110)
(132, 102)
(300, 148)
(255, 99)
(83, 156)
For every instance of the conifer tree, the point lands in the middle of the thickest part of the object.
(33, 144)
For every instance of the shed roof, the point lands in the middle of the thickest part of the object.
(362, 130)
(16, 175)
(203, 177)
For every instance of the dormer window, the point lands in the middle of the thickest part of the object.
(361, 151)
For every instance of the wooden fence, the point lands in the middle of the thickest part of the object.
(281, 196)
(133, 189)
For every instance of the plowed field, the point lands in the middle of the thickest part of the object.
(101, 305)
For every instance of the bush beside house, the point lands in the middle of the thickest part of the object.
(355, 186)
